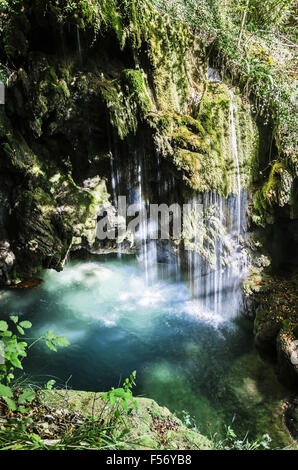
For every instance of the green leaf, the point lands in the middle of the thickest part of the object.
(11, 404)
(61, 341)
(20, 330)
(26, 397)
(50, 335)
(5, 391)
(36, 438)
(15, 361)
(124, 405)
(51, 346)
(23, 410)
(3, 325)
(21, 349)
(6, 334)
(25, 324)
(50, 384)
(14, 318)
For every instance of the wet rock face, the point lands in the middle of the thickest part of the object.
(42, 207)
(287, 352)
(272, 303)
(102, 81)
(292, 418)
(65, 110)
(7, 258)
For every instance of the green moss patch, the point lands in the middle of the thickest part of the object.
(142, 422)
(200, 144)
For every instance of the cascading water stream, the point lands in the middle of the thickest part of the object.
(215, 265)
(113, 182)
(79, 46)
(143, 226)
(216, 262)
(236, 157)
(148, 246)
(215, 270)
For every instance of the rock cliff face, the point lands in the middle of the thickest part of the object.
(273, 305)
(87, 82)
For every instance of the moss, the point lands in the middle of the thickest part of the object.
(134, 87)
(127, 101)
(15, 31)
(166, 61)
(200, 144)
(113, 18)
(277, 190)
(279, 184)
(17, 152)
(62, 89)
(123, 119)
(171, 62)
(139, 422)
(106, 15)
(86, 13)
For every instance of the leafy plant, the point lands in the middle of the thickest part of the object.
(101, 431)
(14, 351)
(91, 434)
(18, 432)
(122, 396)
(233, 442)
(241, 37)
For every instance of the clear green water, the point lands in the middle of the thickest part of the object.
(186, 358)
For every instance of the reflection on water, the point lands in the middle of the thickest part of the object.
(184, 354)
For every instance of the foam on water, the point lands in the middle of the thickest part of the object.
(196, 310)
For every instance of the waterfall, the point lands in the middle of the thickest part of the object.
(143, 226)
(236, 157)
(67, 258)
(79, 46)
(113, 180)
(213, 75)
(148, 247)
(216, 264)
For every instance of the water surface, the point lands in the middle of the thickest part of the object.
(187, 358)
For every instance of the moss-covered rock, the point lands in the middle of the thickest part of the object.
(140, 422)
(127, 101)
(275, 316)
(200, 144)
(106, 74)
(278, 190)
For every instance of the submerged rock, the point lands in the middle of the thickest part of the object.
(33, 282)
(264, 401)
